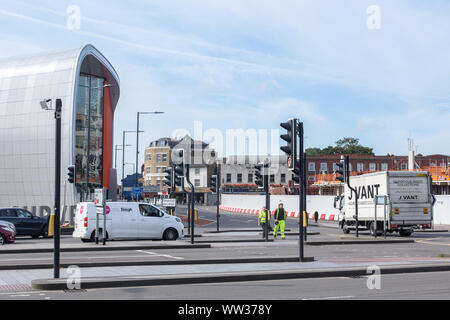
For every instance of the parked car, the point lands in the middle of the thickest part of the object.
(26, 223)
(127, 220)
(7, 232)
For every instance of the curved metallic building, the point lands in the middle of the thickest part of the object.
(88, 86)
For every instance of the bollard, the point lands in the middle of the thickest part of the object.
(51, 225)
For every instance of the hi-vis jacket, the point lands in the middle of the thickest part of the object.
(262, 216)
(280, 214)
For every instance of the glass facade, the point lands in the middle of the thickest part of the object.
(89, 123)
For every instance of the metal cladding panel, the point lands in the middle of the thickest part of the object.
(27, 133)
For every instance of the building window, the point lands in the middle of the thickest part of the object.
(197, 170)
(228, 177)
(404, 166)
(148, 170)
(349, 167)
(323, 167)
(158, 169)
(360, 167)
(335, 167)
(158, 157)
(89, 116)
(149, 157)
(163, 169)
(372, 167)
(250, 178)
(197, 182)
(384, 167)
(272, 178)
(283, 178)
(239, 178)
(312, 166)
(164, 157)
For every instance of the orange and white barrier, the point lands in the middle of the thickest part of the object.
(292, 214)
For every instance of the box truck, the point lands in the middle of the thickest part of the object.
(405, 202)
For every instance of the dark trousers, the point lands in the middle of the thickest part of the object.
(263, 225)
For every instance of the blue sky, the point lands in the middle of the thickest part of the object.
(253, 64)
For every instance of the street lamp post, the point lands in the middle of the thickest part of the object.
(115, 153)
(123, 154)
(137, 139)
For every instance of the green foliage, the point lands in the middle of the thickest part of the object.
(343, 146)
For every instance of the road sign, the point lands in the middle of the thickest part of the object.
(151, 189)
(136, 191)
(169, 203)
(99, 197)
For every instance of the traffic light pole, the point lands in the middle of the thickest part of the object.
(355, 191)
(188, 204)
(302, 191)
(218, 199)
(192, 202)
(56, 237)
(266, 190)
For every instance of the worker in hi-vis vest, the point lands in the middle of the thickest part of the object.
(262, 221)
(280, 221)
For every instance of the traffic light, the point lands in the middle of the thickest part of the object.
(259, 175)
(179, 168)
(291, 127)
(71, 174)
(168, 179)
(213, 184)
(341, 172)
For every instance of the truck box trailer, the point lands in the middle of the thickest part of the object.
(409, 202)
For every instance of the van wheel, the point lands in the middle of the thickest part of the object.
(170, 234)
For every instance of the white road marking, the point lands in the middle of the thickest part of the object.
(19, 295)
(160, 255)
(330, 298)
(434, 243)
(97, 257)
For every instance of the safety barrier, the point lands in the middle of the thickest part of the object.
(292, 214)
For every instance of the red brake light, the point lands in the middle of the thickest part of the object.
(85, 222)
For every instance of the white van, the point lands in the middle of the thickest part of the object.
(127, 220)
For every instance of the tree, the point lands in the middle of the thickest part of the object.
(345, 145)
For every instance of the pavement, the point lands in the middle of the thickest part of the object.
(235, 256)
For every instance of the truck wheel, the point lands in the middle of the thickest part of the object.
(405, 233)
(345, 228)
(372, 230)
(170, 234)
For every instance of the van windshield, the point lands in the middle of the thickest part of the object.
(148, 211)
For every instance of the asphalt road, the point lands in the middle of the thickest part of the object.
(428, 245)
(229, 220)
(399, 286)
